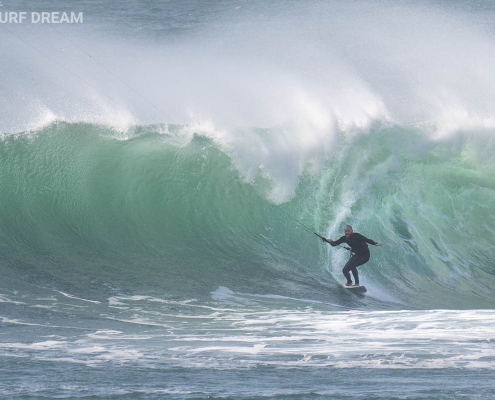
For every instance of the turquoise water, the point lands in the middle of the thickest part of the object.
(84, 205)
(153, 161)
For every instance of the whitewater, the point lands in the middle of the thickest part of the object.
(153, 163)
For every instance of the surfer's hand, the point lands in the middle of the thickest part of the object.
(378, 244)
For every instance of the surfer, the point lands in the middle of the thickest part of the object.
(359, 247)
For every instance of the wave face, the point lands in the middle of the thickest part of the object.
(87, 210)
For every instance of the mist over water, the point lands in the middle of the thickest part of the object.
(252, 64)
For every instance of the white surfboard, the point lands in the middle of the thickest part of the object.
(357, 289)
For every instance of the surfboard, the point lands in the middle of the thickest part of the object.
(357, 289)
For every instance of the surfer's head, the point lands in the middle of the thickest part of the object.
(348, 231)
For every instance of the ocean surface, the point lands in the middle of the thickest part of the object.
(156, 158)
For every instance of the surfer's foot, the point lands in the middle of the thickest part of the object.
(349, 284)
(356, 284)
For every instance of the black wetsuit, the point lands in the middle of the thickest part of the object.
(358, 245)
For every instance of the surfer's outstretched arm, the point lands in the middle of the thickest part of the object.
(334, 243)
(372, 242)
